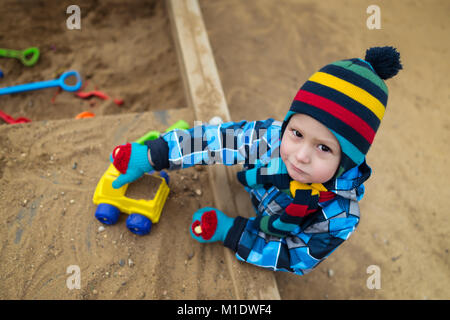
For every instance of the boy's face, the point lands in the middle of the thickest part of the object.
(310, 151)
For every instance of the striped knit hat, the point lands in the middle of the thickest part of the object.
(349, 97)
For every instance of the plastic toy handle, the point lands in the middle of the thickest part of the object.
(181, 124)
(8, 53)
(29, 87)
(60, 82)
(64, 76)
(152, 135)
(29, 56)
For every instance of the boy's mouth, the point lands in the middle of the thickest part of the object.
(297, 170)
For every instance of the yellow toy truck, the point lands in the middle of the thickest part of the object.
(142, 213)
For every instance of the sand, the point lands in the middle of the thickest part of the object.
(124, 51)
(264, 51)
(404, 223)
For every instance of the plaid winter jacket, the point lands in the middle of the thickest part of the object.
(254, 144)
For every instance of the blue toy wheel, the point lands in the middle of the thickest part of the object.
(139, 224)
(164, 175)
(107, 214)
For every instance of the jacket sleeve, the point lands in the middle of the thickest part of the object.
(229, 143)
(303, 249)
(320, 239)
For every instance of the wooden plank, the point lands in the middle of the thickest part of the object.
(206, 97)
(199, 71)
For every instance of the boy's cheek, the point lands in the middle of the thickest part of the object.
(282, 151)
(284, 145)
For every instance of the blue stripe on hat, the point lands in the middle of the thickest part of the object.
(289, 115)
(349, 149)
(362, 63)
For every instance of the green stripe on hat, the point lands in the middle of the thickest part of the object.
(363, 72)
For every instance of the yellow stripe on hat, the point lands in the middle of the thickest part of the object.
(352, 91)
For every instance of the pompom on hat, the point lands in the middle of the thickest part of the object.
(349, 97)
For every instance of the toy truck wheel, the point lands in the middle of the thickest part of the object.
(107, 214)
(164, 175)
(139, 224)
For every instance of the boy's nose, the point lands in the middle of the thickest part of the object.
(303, 154)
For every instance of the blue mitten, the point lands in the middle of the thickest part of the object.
(210, 225)
(131, 160)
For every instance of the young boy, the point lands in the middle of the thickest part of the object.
(304, 176)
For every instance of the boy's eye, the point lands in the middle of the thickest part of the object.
(296, 133)
(324, 148)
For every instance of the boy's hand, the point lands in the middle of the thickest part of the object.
(131, 160)
(210, 225)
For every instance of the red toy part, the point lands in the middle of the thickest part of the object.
(95, 93)
(58, 91)
(98, 94)
(119, 102)
(85, 114)
(8, 119)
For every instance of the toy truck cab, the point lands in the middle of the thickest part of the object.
(142, 212)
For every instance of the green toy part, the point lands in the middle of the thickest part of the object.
(152, 135)
(28, 57)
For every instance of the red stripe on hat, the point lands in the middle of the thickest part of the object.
(337, 111)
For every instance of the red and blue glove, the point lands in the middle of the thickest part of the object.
(210, 225)
(131, 160)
